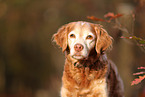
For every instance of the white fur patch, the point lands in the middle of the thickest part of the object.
(82, 23)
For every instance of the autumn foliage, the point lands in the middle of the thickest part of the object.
(140, 78)
(108, 17)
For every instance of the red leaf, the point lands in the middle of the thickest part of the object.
(126, 37)
(118, 15)
(112, 15)
(96, 19)
(138, 73)
(109, 14)
(137, 80)
(141, 44)
(141, 68)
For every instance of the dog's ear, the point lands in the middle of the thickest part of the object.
(61, 37)
(104, 40)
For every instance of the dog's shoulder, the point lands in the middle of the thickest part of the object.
(114, 82)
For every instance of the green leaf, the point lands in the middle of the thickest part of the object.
(136, 38)
(142, 41)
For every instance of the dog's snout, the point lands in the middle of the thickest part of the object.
(78, 47)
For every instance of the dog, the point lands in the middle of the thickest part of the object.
(87, 71)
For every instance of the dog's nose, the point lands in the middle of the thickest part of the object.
(78, 47)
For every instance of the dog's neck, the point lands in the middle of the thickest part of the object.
(94, 61)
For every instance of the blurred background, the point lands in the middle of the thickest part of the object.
(31, 65)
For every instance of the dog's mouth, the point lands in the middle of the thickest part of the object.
(78, 56)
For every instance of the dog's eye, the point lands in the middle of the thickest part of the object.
(72, 36)
(89, 37)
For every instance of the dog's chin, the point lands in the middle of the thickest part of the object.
(78, 57)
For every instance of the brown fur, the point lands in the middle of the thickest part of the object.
(94, 76)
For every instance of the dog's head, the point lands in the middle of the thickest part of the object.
(81, 37)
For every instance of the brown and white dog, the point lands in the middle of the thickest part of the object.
(87, 71)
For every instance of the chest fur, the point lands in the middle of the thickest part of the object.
(95, 88)
(84, 83)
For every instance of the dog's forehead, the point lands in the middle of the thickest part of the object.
(82, 24)
(83, 27)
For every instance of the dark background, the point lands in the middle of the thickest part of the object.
(31, 65)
